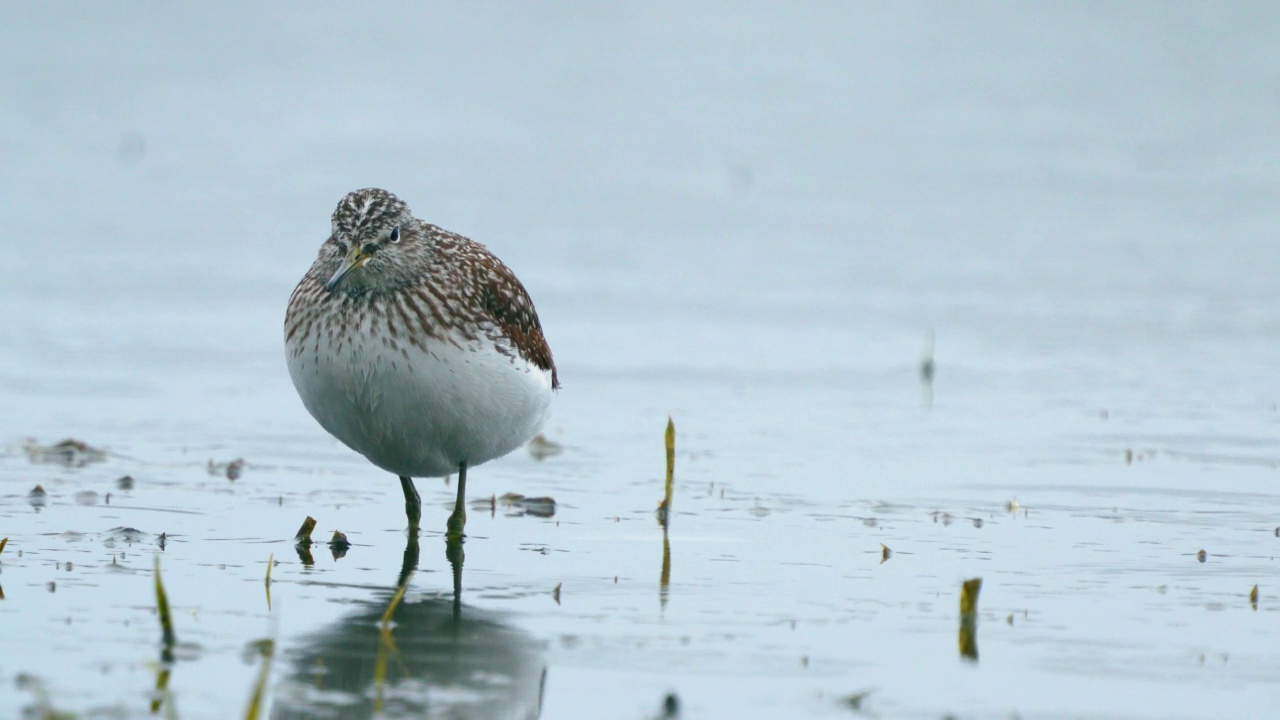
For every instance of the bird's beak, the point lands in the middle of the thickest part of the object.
(354, 259)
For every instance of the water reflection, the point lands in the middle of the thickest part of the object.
(438, 657)
(664, 579)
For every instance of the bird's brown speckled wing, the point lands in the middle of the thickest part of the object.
(507, 302)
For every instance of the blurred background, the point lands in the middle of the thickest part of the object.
(763, 219)
(862, 172)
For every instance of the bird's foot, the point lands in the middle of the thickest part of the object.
(453, 530)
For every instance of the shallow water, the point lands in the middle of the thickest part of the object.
(748, 220)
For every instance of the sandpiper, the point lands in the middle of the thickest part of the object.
(416, 347)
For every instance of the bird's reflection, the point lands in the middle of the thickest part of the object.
(435, 658)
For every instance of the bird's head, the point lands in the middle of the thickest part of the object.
(373, 245)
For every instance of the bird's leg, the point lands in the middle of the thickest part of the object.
(459, 517)
(412, 503)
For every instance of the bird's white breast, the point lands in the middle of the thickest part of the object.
(418, 409)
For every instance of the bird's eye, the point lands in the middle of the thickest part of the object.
(395, 234)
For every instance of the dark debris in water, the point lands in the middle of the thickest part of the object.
(126, 535)
(230, 470)
(69, 452)
(543, 507)
(38, 497)
(339, 545)
(946, 519)
(855, 701)
(671, 706)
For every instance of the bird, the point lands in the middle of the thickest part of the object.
(417, 348)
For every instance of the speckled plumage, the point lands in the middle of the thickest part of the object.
(415, 346)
